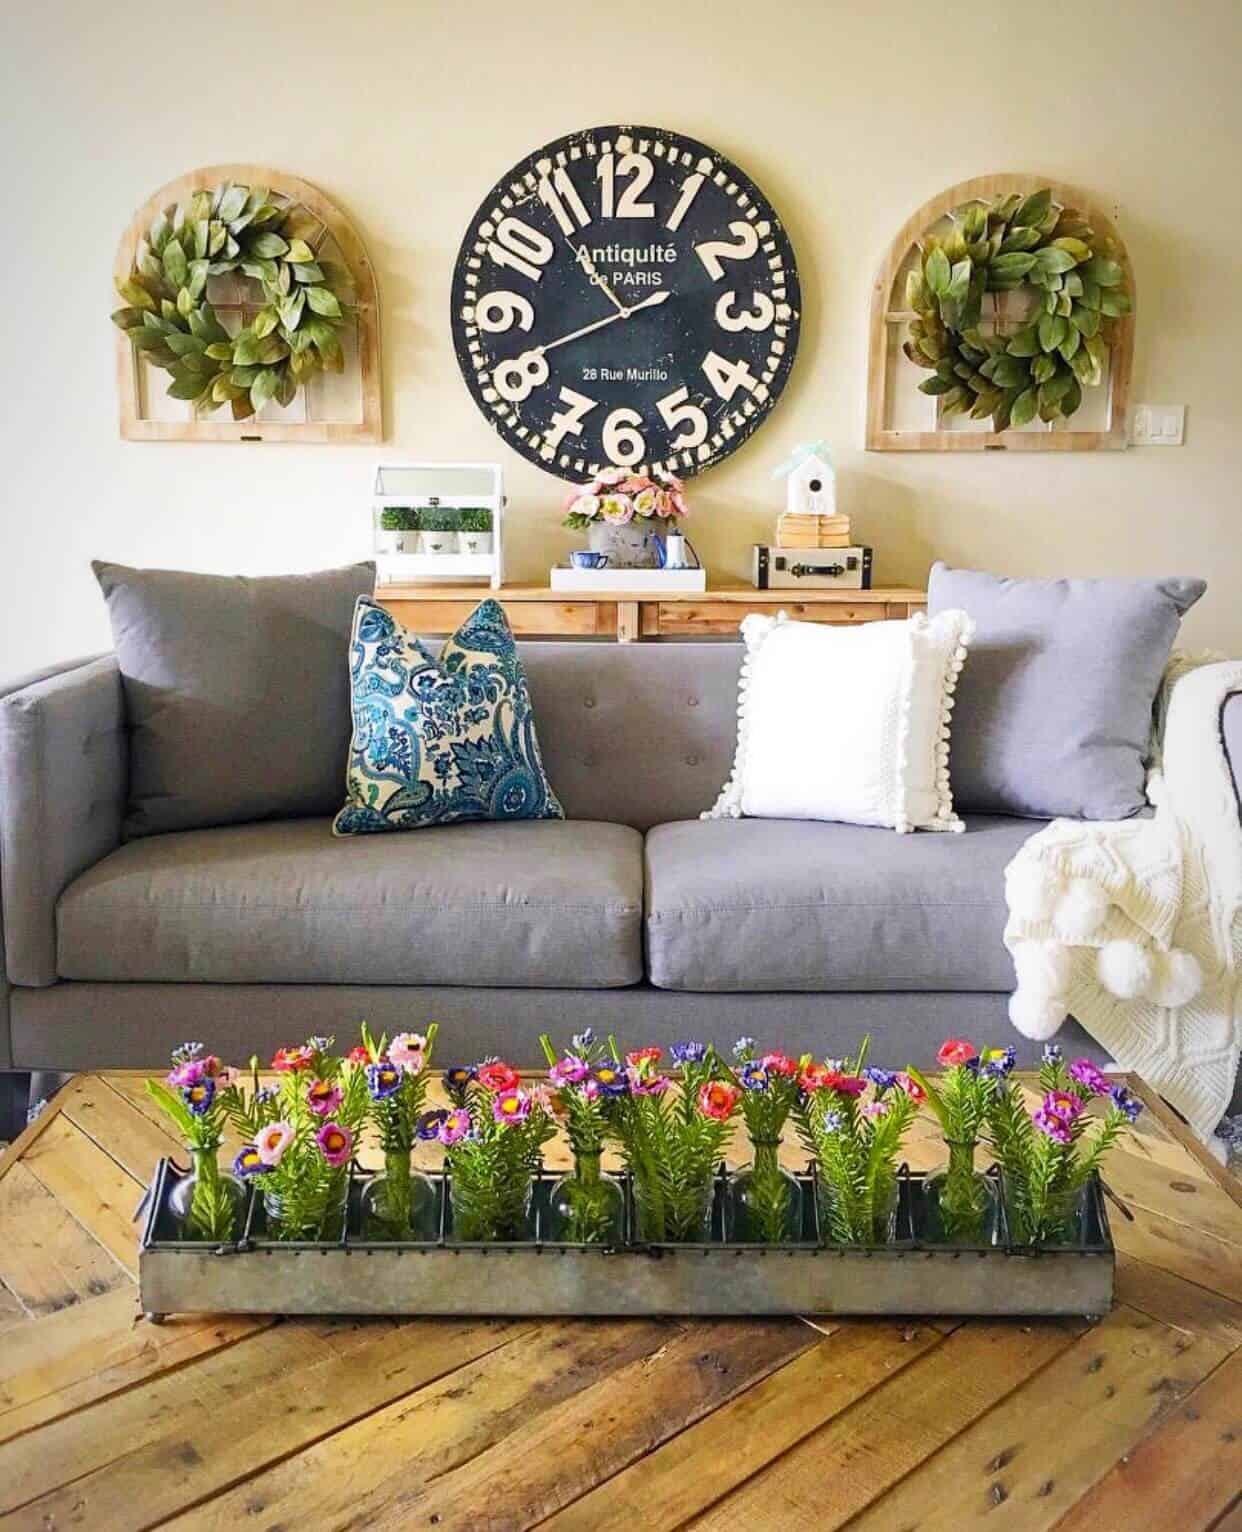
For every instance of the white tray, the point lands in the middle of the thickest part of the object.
(638, 582)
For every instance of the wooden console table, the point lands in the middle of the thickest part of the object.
(534, 611)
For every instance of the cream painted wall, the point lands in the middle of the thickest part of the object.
(847, 115)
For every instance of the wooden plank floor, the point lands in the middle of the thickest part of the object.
(107, 1421)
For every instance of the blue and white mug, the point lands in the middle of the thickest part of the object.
(587, 558)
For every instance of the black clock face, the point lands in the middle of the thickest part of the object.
(625, 297)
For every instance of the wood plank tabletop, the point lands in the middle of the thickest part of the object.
(107, 1421)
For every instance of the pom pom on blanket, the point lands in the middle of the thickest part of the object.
(1179, 979)
(1080, 912)
(1034, 1016)
(1125, 969)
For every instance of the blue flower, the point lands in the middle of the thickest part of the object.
(428, 1125)
(1130, 1105)
(581, 1041)
(186, 1052)
(753, 1076)
(832, 1122)
(689, 1053)
(248, 1163)
(998, 1062)
(611, 1079)
(384, 1080)
(744, 1047)
(459, 1076)
(1052, 1053)
(882, 1079)
(199, 1096)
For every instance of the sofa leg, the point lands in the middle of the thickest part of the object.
(14, 1103)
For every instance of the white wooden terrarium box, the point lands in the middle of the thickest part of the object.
(407, 497)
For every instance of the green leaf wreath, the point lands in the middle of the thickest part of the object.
(993, 249)
(291, 337)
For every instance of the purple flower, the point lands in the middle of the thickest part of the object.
(688, 1053)
(455, 1127)
(648, 1085)
(882, 1079)
(1130, 1106)
(571, 1070)
(1052, 1053)
(185, 1052)
(428, 1125)
(611, 1079)
(1085, 1072)
(753, 1076)
(832, 1122)
(248, 1163)
(336, 1143)
(199, 1096)
(998, 1062)
(1055, 1127)
(383, 1079)
(582, 1041)
(459, 1076)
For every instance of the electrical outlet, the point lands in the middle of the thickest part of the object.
(1159, 425)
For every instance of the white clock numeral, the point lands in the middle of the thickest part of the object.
(518, 378)
(622, 440)
(713, 251)
(727, 377)
(675, 411)
(758, 318)
(689, 191)
(609, 171)
(498, 311)
(521, 248)
(558, 192)
(568, 422)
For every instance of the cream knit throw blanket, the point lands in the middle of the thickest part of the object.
(1135, 926)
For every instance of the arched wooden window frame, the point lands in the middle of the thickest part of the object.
(888, 321)
(220, 427)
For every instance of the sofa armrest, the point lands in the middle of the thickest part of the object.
(63, 765)
(1231, 733)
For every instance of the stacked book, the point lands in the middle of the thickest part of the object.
(795, 531)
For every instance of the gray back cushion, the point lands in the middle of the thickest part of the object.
(236, 692)
(1054, 706)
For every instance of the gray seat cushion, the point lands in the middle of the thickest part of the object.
(762, 904)
(540, 903)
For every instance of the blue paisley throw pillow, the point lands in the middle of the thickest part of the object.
(440, 740)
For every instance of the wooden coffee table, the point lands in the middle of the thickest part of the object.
(107, 1421)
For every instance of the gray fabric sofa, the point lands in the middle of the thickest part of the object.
(633, 915)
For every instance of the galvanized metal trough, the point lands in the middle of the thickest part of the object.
(537, 1278)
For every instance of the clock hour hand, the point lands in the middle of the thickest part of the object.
(583, 258)
(599, 324)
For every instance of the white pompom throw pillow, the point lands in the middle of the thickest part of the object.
(849, 723)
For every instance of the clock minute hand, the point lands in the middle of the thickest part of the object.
(599, 324)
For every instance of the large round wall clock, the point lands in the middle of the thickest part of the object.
(625, 297)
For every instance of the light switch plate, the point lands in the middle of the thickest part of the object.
(1158, 425)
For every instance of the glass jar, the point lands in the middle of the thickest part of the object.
(1060, 1221)
(208, 1203)
(319, 1221)
(401, 1203)
(957, 1205)
(849, 1220)
(682, 1220)
(492, 1210)
(764, 1202)
(586, 1207)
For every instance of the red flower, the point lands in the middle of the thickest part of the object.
(780, 1064)
(955, 1051)
(291, 1060)
(815, 1077)
(716, 1099)
(847, 1085)
(642, 1056)
(497, 1077)
(358, 1055)
(911, 1087)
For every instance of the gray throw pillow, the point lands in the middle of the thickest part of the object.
(236, 692)
(1054, 707)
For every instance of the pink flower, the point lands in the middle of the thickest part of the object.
(323, 1097)
(1085, 1072)
(1059, 1103)
(847, 1085)
(617, 509)
(511, 1106)
(680, 506)
(955, 1050)
(634, 485)
(454, 1127)
(780, 1064)
(643, 1084)
(272, 1142)
(544, 1099)
(875, 1109)
(189, 1073)
(911, 1087)
(610, 477)
(718, 1100)
(1055, 1127)
(570, 1070)
(407, 1051)
(336, 1143)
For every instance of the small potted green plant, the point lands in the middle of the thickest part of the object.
(398, 528)
(437, 531)
(474, 533)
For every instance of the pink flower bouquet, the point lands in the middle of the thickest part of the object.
(616, 496)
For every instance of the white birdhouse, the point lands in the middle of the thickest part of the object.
(810, 488)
